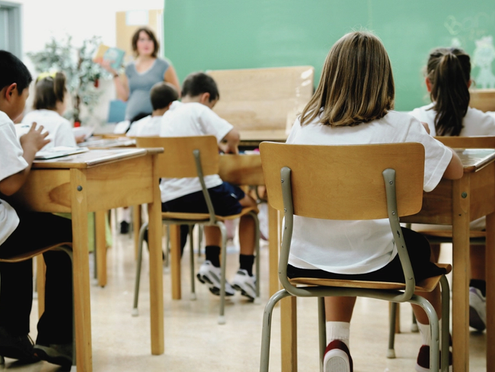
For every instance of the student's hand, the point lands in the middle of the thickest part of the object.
(80, 139)
(427, 127)
(35, 138)
(228, 149)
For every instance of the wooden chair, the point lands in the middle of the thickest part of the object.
(195, 157)
(482, 99)
(65, 247)
(350, 183)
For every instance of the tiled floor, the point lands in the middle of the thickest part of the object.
(195, 342)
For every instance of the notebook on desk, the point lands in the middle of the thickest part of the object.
(58, 152)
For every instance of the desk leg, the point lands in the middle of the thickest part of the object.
(460, 287)
(40, 283)
(80, 267)
(175, 261)
(136, 226)
(288, 333)
(273, 248)
(101, 247)
(156, 269)
(490, 296)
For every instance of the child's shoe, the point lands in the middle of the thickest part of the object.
(56, 354)
(211, 276)
(337, 357)
(245, 283)
(477, 309)
(423, 361)
(17, 347)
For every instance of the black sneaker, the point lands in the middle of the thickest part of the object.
(60, 354)
(17, 347)
(124, 227)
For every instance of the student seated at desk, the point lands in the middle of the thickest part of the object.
(448, 80)
(49, 105)
(353, 105)
(195, 117)
(22, 231)
(162, 96)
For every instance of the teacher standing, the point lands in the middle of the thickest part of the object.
(141, 74)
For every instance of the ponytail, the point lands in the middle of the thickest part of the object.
(50, 89)
(449, 74)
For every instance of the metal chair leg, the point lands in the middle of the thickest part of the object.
(391, 331)
(223, 231)
(322, 330)
(433, 319)
(257, 252)
(191, 260)
(267, 327)
(135, 311)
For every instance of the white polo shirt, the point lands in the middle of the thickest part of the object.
(354, 247)
(11, 162)
(190, 119)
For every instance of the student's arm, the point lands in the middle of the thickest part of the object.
(230, 142)
(455, 169)
(31, 143)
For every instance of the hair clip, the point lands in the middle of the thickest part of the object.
(44, 75)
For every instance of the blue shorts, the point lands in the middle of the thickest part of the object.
(225, 199)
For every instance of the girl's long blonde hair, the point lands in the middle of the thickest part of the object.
(356, 84)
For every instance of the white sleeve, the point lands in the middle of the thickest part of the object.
(437, 156)
(213, 124)
(11, 160)
(64, 136)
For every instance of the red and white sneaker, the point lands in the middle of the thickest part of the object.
(337, 357)
(423, 361)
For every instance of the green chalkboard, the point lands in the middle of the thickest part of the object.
(230, 34)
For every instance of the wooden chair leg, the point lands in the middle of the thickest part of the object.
(40, 283)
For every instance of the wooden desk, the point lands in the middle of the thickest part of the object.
(97, 181)
(457, 203)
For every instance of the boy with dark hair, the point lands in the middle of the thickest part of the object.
(195, 117)
(22, 232)
(162, 96)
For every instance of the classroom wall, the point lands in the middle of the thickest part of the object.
(82, 19)
(226, 34)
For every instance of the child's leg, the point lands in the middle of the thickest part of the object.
(338, 312)
(37, 230)
(477, 288)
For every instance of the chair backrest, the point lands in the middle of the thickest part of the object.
(262, 103)
(177, 160)
(479, 142)
(482, 99)
(344, 182)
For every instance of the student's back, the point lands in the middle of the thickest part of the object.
(448, 78)
(49, 105)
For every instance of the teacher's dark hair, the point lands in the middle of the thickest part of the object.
(151, 35)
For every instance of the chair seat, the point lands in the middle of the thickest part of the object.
(28, 255)
(204, 216)
(473, 234)
(426, 285)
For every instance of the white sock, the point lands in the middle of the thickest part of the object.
(424, 329)
(126, 214)
(338, 331)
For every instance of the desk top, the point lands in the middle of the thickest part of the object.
(93, 158)
(475, 159)
(108, 143)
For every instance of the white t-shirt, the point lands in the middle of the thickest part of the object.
(185, 120)
(148, 126)
(59, 129)
(475, 123)
(11, 162)
(352, 247)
